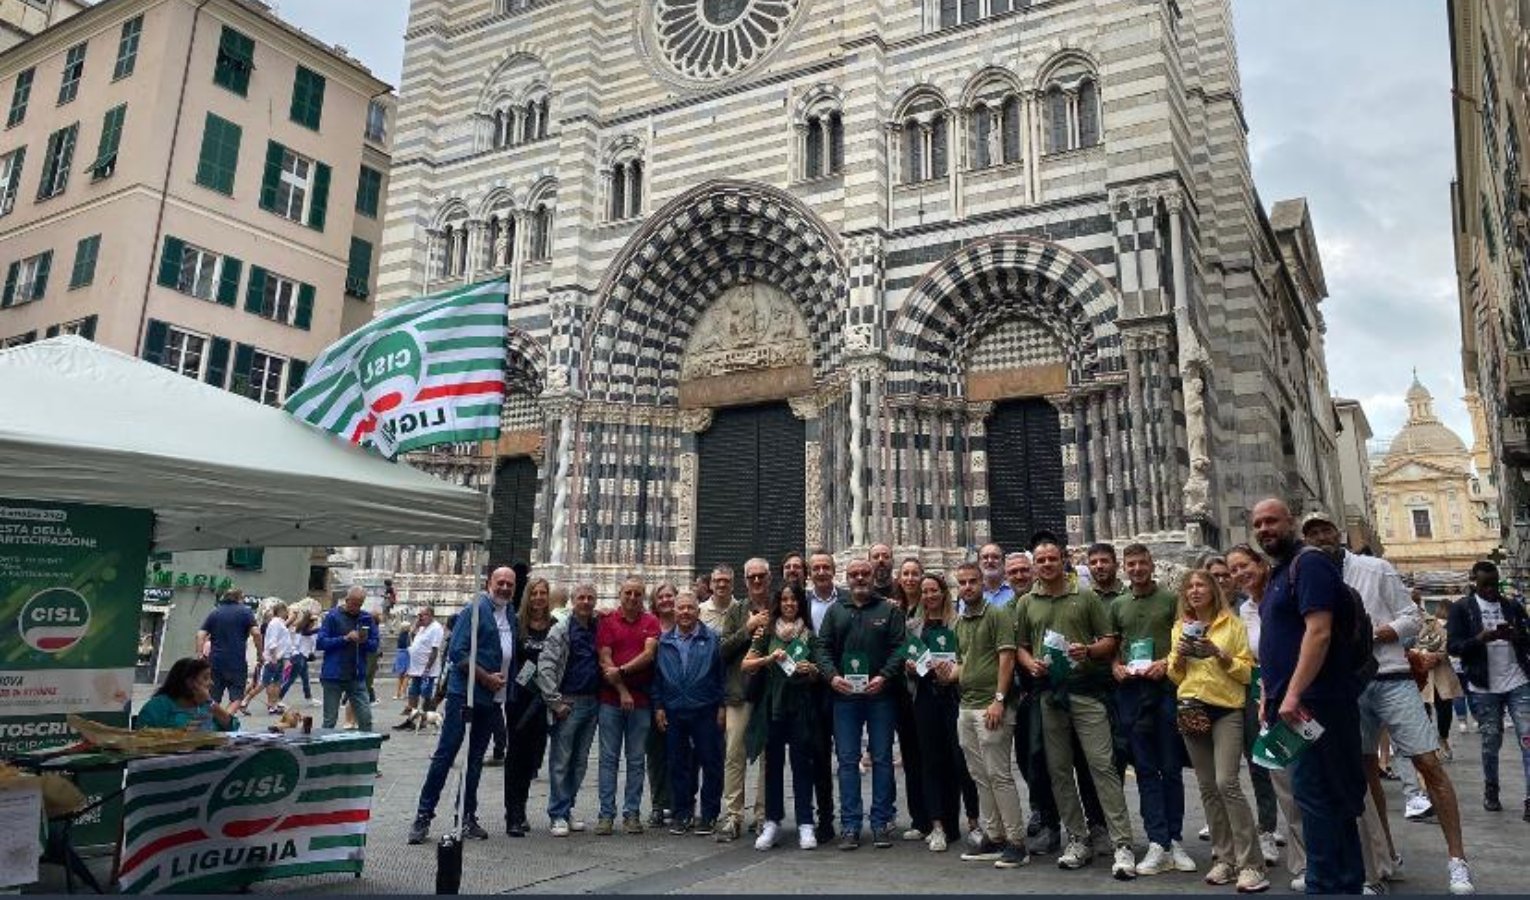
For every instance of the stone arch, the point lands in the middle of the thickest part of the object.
(453, 210)
(984, 82)
(968, 292)
(544, 189)
(622, 148)
(820, 98)
(703, 242)
(1064, 61)
(917, 96)
(525, 362)
(495, 86)
(500, 199)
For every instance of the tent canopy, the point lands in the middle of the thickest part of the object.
(86, 424)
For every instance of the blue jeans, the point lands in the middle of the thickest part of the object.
(234, 681)
(1488, 710)
(361, 702)
(623, 734)
(570, 740)
(1329, 786)
(299, 670)
(878, 717)
(1148, 718)
(694, 744)
(453, 726)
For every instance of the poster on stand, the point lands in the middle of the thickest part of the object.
(71, 587)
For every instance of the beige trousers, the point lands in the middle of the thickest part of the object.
(1089, 719)
(1296, 845)
(735, 760)
(989, 759)
(1218, 761)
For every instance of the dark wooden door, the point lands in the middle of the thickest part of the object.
(750, 490)
(1025, 472)
(515, 499)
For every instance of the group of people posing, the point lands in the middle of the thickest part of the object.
(1011, 663)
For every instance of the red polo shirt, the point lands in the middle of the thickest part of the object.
(626, 640)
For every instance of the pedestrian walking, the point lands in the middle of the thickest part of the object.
(305, 632)
(425, 652)
(401, 660)
(222, 641)
(1441, 686)
(784, 718)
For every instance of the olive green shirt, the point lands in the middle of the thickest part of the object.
(1079, 615)
(981, 632)
(1151, 616)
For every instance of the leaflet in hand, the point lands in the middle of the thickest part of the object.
(915, 651)
(1139, 656)
(796, 652)
(1278, 745)
(942, 644)
(527, 672)
(857, 671)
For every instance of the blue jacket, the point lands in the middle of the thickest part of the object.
(337, 650)
(490, 657)
(696, 685)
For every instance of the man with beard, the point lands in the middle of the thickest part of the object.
(736, 759)
(1307, 674)
(823, 594)
(996, 591)
(880, 556)
(794, 570)
(1391, 701)
(1018, 572)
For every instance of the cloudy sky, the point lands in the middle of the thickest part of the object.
(1348, 103)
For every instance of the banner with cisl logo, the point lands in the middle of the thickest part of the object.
(71, 588)
(206, 823)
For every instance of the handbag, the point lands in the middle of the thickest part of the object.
(1193, 718)
(1419, 668)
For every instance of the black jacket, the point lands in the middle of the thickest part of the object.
(1465, 624)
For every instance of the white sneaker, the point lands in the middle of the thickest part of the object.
(560, 828)
(1268, 848)
(1124, 868)
(1156, 861)
(1182, 860)
(937, 840)
(1461, 727)
(806, 838)
(1205, 833)
(1252, 881)
(1299, 884)
(1374, 889)
(578, 825)
(767, 838)
(1075, 854)
(913, 834)
(1417, 807)
(1460, 877)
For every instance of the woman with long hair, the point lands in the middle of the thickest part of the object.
(785, 717)
(905, 596)
(943, 766)
(1441, 686)
(401, 660)
(526, 714)
(662, 604)
(1210, 661)
(305, 631)
(184, 700)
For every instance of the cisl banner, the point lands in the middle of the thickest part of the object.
(210, 822)
(71, 587)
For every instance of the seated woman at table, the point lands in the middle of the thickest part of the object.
(185, 701)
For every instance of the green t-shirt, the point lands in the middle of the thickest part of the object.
(1079, 615)
(980, 634)
(1150, 617)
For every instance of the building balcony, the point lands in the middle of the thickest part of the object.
(1516, 376)
(1515, 442)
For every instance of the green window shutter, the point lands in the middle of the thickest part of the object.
(111, 139)
(297, 370)
(368, 191)
(85, 252)
(228, 281)
(255, 297)
(236, 59)
(52, 331)
(358, 272)
(20, 96)
(12, 273)
(319, 204)
(88, 330)
(272, 176)
(170, 263)
(304, 316)
(40, 283)
(239, 378)
(217, 362)
(307, 98)
(219, 158)
(154, 341)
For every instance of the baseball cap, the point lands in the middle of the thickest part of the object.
(1313, 518)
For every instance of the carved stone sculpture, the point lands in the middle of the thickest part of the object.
(749, 326)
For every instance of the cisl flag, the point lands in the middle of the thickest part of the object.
(429, 371)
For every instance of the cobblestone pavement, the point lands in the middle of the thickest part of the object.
(657, 862)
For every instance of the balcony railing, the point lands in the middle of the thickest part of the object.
(1516, 441)
(1516, 376)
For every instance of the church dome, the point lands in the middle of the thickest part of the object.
(1424, 433)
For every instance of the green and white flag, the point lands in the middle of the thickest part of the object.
(426, 372)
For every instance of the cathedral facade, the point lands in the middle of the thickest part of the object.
(798, 273)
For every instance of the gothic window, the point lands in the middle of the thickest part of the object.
(541, 233)
(823, 144)
(626, 195)
(499, 241)
(1009, 120)
(960, 12)
(1088, 107)
(1057, 120)
(982, 133)
(923, 135)
(1071, 107)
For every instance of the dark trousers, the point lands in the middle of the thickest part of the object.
(1444, 714)
(908, 744)
(1031, 757)
(943, 774)
(1146, 717)
(695, 745)
(234, 681)
(497, 734)
(779, 747)
(823, 757)
(526, 725)
(297, 671)
(1328, 783)
(454, 727)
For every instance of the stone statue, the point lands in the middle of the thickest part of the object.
(995, 139)
(1195, 412)
(502, 248)
(749, 326)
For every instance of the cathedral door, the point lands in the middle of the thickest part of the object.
(750, 490)
(1025, 472)
(515, 498)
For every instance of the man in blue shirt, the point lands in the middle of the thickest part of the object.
(228, 626)
(996, 591)
(688, 710)
(1307, 673)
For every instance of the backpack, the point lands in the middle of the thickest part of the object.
(1360, 642)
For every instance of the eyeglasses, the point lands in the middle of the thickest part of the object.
(756, 576)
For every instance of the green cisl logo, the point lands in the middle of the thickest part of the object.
(250, 798)
(390, 370)
(54, 620)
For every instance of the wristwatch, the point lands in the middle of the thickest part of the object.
(998, 697)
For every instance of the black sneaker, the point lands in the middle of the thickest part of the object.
(1046, 840)
(515, 829)
(495, 761)
(471, 829)
(824, 832)
(705, 827)
(681, 826)
(419, 832)
(657, 819)
(1013, 856)
(988, 851)
(1490, 798)
(1527, 809)
(883, 838)
(850, 841)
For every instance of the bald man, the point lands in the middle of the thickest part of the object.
(489, 670)
(347, 636)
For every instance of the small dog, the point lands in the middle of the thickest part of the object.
(424, 718)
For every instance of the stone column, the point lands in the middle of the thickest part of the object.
(857, 462)
(692, 422)
(1099, 481)
(981, 526)
(808, 410)
(557, 551)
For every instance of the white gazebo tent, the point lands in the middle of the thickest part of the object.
(81, 423)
